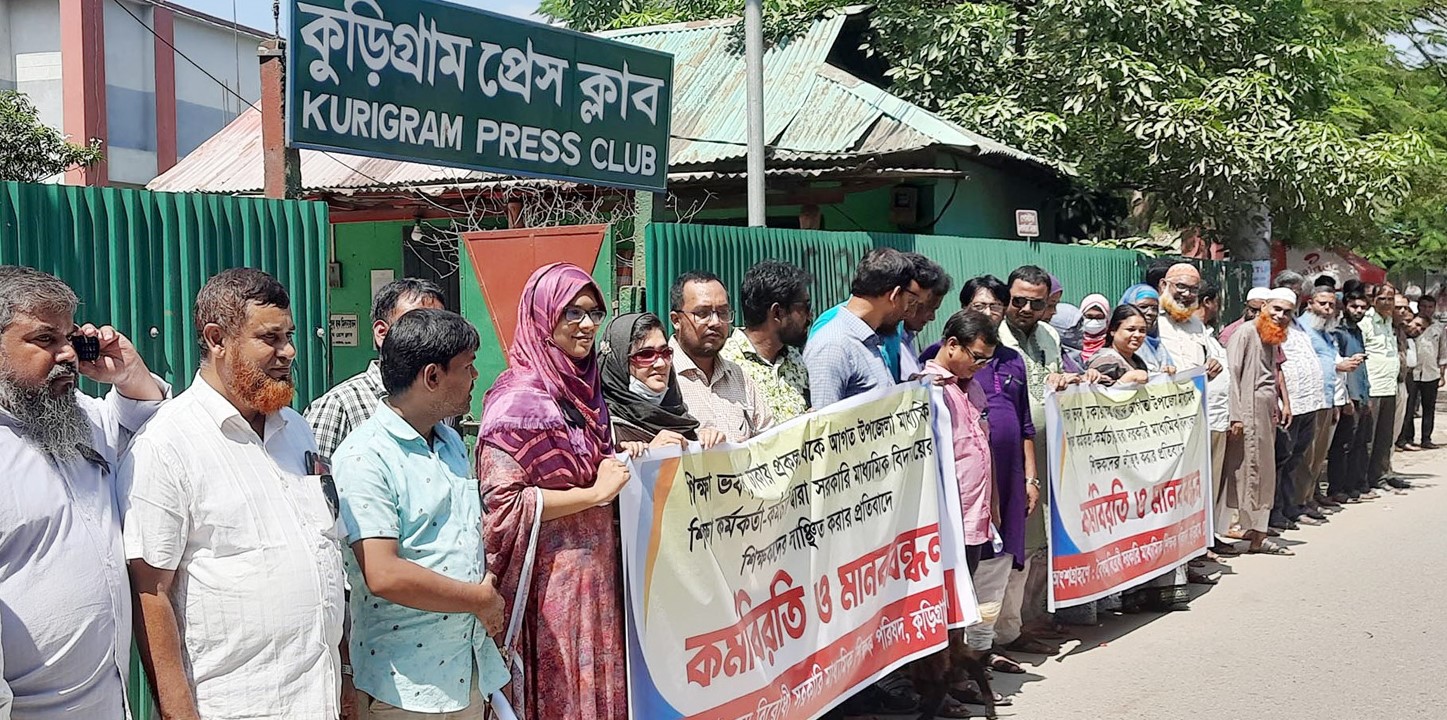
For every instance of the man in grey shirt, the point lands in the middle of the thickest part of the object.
(845, 356)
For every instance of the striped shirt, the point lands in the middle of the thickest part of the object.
(727, 401)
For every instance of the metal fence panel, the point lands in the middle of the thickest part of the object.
(137, 260)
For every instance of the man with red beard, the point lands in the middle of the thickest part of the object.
(231, 528)
(65, 604)
(1253, 362)
(1191, 343)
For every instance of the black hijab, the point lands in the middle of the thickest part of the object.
(626, 406)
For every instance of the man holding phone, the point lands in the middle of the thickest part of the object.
(65, 634)
(422, 605)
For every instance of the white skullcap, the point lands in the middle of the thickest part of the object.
(1283, 294)
(1261, 293)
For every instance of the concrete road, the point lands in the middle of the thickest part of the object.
(1351, 627)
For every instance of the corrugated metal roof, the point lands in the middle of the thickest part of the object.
(814, 115)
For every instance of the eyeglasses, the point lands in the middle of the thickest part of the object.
(978, 358)
(1149, 309)
(1019, 303)
(574, 315)
(993, 307)
(1188, 289)
(702, 315)
(647, 356)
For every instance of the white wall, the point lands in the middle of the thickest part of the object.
(130, 93)
(30, 44)
(203, 106)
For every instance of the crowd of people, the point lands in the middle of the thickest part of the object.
(362, 560)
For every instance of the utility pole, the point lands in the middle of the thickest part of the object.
(754, 60)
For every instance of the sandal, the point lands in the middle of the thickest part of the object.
(1001, 663)
(1270, 548)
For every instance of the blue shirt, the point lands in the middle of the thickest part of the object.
(845, 358)
(1349, 342)
(1326, 355)
(393, 484)
(889, 344)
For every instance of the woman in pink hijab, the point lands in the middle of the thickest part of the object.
(548, 480)
(1094, 317)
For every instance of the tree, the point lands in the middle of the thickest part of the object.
(1211, 108)
(31, 151)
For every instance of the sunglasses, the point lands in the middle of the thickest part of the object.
(574, 315)
(1019, 303)
(647, 356)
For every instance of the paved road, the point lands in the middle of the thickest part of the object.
(1351, 627)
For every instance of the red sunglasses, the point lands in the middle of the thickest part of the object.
(647, 356)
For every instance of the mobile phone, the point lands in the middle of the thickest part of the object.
(87, 349)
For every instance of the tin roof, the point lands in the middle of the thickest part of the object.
(815, 115)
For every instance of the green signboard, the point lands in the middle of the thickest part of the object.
(433, 82)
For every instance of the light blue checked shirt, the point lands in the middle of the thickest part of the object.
(392, 484)
(845, 358)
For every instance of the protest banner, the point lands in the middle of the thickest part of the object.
(1130, 484)
(774, 578)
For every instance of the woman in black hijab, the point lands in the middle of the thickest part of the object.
(639, 386)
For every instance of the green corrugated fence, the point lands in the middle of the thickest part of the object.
(137, 260)
(672, 249)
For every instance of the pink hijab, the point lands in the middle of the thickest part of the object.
(546, 401)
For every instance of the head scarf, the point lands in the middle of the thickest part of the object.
(1094, 342)
(1056, 288)
(546, 392)
(1140, 292)
(626, 406)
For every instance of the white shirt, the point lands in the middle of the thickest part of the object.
(258, 590)
(1302, 372)
(65, 627)
(1190, 345)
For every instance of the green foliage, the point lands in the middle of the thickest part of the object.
(1208, 107)
(29, 150)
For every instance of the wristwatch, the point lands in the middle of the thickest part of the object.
(1033, 481)
(346, 670)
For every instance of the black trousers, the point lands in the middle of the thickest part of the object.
(1291, 446)
(1359, 458)
(1421, 394)
(1338, 459)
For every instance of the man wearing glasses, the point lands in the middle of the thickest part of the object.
(1039, 345)
(716, 391)
(846, 354)
(1190, 343)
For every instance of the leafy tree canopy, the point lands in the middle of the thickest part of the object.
(31, 151)
(1331, 113)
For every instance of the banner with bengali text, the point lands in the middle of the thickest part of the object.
(1130, 484)
(775, 578)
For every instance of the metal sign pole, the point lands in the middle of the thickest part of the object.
(754, 58)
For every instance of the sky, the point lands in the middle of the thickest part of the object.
(257, 13)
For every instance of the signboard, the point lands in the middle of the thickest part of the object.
(775, 578)
(1027, 223)
(433, 82)
(1130, 484)
(344, 330)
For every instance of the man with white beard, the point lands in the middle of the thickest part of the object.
(65, 632)
(1191, 343)
(1320, 322)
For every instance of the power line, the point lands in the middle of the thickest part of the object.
(228, 88)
